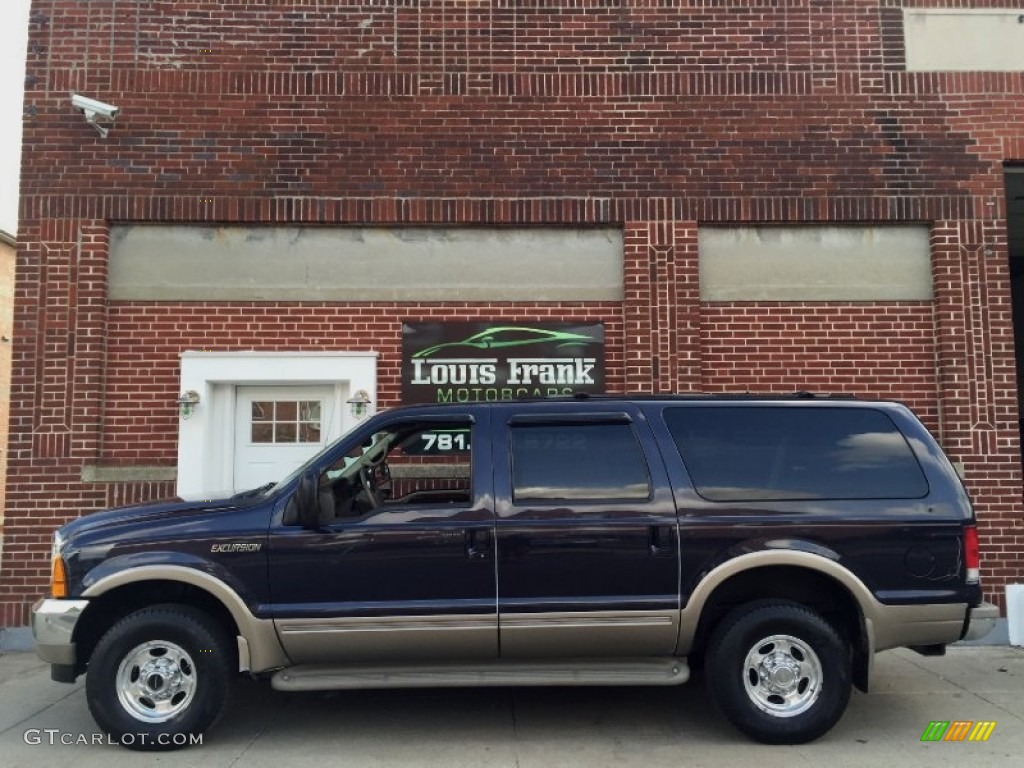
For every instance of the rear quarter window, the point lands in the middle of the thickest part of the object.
(755, 453)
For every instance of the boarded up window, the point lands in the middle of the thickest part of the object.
(182, 263)
(813, 263)
(964, 40)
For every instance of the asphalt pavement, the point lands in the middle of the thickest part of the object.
(43, 723)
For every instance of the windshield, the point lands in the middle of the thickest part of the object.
(294, 474)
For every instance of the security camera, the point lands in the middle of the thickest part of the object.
(94, 110)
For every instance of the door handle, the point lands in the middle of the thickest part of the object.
(478, 543)
(662, 540)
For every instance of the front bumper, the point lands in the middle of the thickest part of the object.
(980, 621)
(53, 626)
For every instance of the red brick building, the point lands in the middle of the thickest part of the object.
(772, 195)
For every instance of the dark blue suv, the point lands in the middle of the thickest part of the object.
(780, 542)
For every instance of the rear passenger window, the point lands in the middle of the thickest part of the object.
(763, 453)
(556, 462)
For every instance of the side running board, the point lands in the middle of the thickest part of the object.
(321, 677)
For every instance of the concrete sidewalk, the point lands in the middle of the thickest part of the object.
(540, 728)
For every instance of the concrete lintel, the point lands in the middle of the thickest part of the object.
(138, 474)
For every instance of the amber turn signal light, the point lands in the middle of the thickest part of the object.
(59, 579)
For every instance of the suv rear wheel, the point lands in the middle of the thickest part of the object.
(159, 677)
(779, 672)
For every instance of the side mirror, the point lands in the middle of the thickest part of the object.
(305, 500)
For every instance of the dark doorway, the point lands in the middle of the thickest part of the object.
(1015, 235)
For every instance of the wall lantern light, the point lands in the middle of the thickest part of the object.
(359, 402)
(187, 402)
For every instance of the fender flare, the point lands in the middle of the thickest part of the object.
(259, 635)
(869, 606)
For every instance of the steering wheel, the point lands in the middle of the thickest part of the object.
(383, 484)
(367, 481)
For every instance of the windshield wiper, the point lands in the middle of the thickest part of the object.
(253, 492)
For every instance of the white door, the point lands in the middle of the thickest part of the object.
(278, 428)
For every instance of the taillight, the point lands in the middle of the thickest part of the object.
(972, 555)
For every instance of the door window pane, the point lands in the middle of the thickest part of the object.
(577, 462)
(309, 433)
(390, 472)
(262, 432)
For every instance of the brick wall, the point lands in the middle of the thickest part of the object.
(879, 349)
(654, 115)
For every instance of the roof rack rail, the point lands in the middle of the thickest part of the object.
(804, 394)
(800, 394)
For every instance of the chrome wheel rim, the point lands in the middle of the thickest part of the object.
(156, 681)
(782, 675)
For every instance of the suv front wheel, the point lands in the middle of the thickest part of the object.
(779, 672)
(159, 677)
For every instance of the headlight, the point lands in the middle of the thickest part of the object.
(58, 571)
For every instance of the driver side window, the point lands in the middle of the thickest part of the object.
(408, 464)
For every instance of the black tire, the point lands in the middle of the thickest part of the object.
(778, 671)
(160, 677)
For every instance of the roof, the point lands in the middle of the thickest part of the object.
(585, 397)
(8, 239)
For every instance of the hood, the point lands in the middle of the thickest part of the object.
(151, 512)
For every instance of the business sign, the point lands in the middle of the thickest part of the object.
(474, 362)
